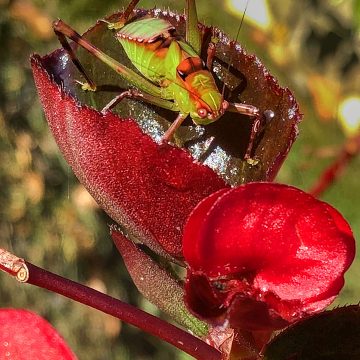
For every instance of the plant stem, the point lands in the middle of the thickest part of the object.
(350, 149)
(97, 300)
(128, 313)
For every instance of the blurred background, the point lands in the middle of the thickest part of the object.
(46, 216)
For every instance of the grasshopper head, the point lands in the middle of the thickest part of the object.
(209, 108)
(207, 103)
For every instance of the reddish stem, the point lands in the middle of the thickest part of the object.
(128, 313)
(349, 150)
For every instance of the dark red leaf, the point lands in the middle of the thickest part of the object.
(331, 335)
(157, 284)
(25, 335)
(269, 249)
(151, 189)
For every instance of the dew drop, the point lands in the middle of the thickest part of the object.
(291, 113)
(269, 115)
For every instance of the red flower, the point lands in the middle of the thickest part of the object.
(264, 255)
(25, 335)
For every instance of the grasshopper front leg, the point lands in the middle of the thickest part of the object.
(134, 94)
(165, 104)
(174, 126)
(258, 125)
(211, 50)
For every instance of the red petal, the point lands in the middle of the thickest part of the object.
(25, 335)
(201, 298)
(282, 246)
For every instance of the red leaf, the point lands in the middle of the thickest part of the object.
(25, 335)
(268, 248)
(147, 188)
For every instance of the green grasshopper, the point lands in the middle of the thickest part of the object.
(171, 75)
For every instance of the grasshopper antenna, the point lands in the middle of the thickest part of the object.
(125, 17)
(236, 39)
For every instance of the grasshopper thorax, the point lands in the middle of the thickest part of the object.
(206, 103)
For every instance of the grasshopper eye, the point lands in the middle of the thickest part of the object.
(182, 74)
(202, 113)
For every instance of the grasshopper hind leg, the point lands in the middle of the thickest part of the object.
(90, 84)
(125, 17)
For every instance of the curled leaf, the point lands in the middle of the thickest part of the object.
(149, 188)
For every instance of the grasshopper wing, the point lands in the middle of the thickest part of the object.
(147, 30)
